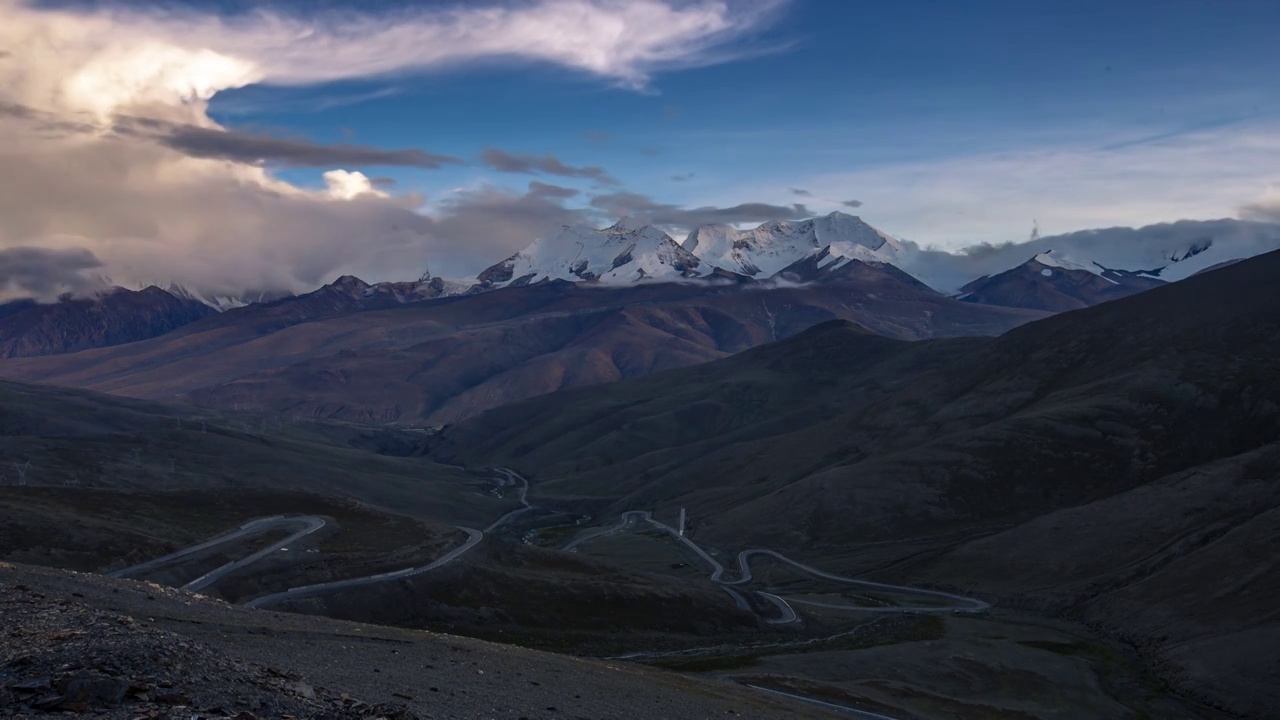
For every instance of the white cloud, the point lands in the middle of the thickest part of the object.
(349, 185)
(72, 177)
(955, 202)
(122, 57)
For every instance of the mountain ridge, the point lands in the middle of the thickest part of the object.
(1144, 428)
(340, 353)
(111, 317)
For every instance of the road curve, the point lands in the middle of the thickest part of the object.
(628, 518)
(310, 524)
(473, 538)
(513, 476)
(955, 603)
(959, 603)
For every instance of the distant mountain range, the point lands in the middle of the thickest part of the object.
(378, 353)
(630, 252)
(1126, 260)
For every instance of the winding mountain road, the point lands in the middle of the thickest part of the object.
(310, 525)
(473, 538)
(512, 476)
(950, 603)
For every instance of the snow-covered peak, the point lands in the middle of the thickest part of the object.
(1168, 252)
(1051, 259)
(628, 223)
(223, 302)
(767, 249)
(623, 253)
(1167, 261)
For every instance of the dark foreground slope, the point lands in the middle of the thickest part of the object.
(1146, 425)
(344, 353)
(123, 649)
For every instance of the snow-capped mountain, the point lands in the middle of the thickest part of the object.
(113, 316)
(1168, 252)
(424, 288)
(223, 302)
(1054, 282)
(766, 250)
(624, 253)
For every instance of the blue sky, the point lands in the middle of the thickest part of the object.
(948, 123)
(837, 88)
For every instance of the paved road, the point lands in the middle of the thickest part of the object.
(473, 538)
(958, 603)
(310, 524)
(951, 603)
(843, 708)
(512, 477)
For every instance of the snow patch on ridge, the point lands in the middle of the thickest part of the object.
(624, 253)
(771, 247)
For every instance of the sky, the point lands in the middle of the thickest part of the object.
(246, 145)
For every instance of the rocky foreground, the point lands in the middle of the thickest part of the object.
(86, 645)
(62, 655)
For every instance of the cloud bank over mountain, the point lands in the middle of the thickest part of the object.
(109, 151)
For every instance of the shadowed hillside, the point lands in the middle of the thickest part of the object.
(115, 317)
(373, 354)
(837, 440)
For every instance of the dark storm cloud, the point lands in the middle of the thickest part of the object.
(682, 177)
(250, 148)
(382, 181)
(46, 124)
(801, 192)
(852, 203)
(641, 206)
(44, 273)
(231, 145)
(504, 161)
(548, 190)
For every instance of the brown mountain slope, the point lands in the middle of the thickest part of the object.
(1161, 381)
(1120, 461)
(1056, 289)
(113, 318)
(442, 360)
